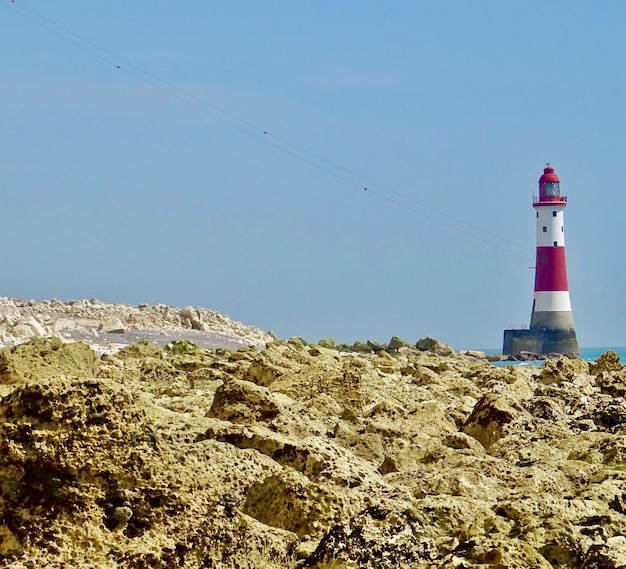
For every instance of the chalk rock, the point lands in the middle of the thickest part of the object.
(299, 455)
(113, 324)
(44, 358)
(608, 361)
(490, 418)
(27, 328)
(612, 382)
(243, 401)
(432, 345)
(20, 321)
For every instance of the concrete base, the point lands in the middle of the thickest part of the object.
(541, 341)
(552, 320)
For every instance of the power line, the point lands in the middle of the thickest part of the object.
(265, 136)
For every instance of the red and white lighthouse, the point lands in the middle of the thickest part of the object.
(551, 324)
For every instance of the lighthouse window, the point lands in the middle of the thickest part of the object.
(554, 243)
(561, 229)
(537, 214)
(551, 189)
(554, 214)
(545, 229)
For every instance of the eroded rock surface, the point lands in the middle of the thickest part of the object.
(305, 456)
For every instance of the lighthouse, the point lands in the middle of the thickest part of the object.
(551, 323)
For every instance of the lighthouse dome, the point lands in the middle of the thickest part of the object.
(548, 175)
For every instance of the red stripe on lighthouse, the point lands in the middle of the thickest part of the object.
(550, 272)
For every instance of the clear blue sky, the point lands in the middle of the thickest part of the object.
(156, 182)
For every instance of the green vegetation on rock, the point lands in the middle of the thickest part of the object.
(183, 347)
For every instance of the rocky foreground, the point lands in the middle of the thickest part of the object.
(301, 455)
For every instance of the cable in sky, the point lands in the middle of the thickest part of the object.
(265, 136)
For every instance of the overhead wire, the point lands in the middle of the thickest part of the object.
(266, 136)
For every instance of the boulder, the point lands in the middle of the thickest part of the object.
(375, 346)
(612, 382)
(327, 343)
(429, 344)
(608, 361)
(489, 419)
(111, 325)
(28, 327)
(45, 358)
(243, 402)
(396, 343)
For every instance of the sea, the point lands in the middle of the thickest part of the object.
(589, 354)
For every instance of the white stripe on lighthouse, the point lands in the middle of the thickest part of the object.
(553, 226)
(552, 301)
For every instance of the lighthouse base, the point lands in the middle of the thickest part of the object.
(541, 341)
